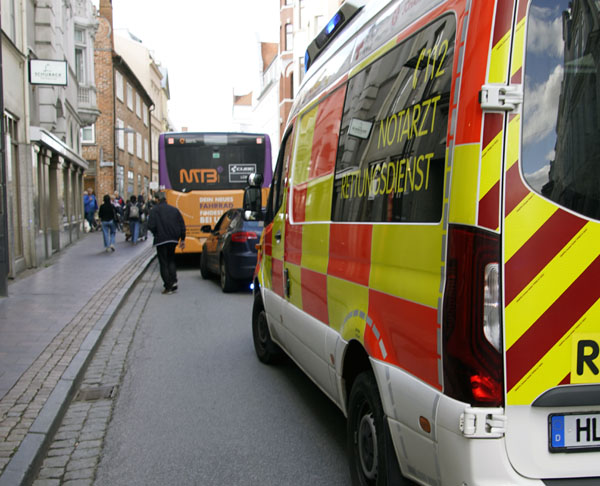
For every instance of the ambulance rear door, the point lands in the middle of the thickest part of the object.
(551, 236)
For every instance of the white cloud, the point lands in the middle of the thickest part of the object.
(544, 34)
(541, 106)
(538, 178)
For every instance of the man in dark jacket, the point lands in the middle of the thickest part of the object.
(167, 226)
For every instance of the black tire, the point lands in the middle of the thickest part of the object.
(266, 350)
(228, 284)
(204, 266)
(372, 457)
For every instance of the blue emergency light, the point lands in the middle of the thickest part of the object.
(348, 10)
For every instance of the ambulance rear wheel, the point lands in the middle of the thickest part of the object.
(366, 435)
(266, 350)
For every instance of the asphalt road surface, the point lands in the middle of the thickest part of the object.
(196, 407)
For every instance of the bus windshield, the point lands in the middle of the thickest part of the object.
(209, 161)
(204, 175)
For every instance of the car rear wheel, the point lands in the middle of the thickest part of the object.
(228, 284)
(204, 266)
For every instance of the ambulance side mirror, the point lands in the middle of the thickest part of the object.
(253, 198)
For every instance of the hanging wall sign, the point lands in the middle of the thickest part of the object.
(44, 71)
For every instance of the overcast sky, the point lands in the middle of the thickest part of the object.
(208, 48)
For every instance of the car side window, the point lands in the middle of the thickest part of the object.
(277, 186)
(235, 216)
(220, 222)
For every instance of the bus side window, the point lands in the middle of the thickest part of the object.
(277, 186)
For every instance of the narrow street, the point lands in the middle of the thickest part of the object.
(194, 405)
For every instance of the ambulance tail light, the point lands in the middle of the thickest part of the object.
(471, 320)
(243, 236)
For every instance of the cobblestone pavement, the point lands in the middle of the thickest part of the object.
(74, 453)
(21, 406)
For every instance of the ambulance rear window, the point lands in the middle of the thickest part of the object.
(561, 130)
(392, 144)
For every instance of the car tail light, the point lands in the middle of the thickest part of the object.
(243, 236)
(471, 321)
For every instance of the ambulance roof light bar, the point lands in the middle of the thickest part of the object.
(341, 18)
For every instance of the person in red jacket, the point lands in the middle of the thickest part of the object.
(167, 225)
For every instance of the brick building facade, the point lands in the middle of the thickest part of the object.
(119, 152)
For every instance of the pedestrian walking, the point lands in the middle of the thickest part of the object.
(118, 204)
(108, 220)
(168, 228)
(144, 212)
(90, 206)
(132, 215)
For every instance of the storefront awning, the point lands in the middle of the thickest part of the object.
(44, 137)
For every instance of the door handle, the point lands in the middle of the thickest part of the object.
(278, 236)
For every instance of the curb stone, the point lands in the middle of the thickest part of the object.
(26, 460)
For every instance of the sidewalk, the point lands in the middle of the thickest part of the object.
(50, 324)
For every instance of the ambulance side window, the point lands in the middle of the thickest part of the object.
(560, 144)
(278, 185)
(392, 145)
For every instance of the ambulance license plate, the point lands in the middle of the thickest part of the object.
(574, 432)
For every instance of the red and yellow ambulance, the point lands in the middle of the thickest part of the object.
(431, 252)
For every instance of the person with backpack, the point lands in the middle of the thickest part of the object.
(108, 216)
(132, 215)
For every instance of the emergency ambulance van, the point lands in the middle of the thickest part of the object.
(431, 252)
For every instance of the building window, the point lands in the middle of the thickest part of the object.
(80, 56)
(145, 114)
(130, 181)
(138, 105)
(88, 134)
(121, 134)
(289, 37)
(120, 181)
(119, 85)
(130, 147)
(129, 97)
(138, 140)
(146, 154)
(139, 184)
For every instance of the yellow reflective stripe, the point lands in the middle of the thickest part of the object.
(555, 364)
(315, 247)
(304, 147)
(518, 42)
(553, 280)
(465, 175)
(294, 273)
(499, 60)
(491, 163)
(344, 299)
(373, 57)
(318, 199)
(524, 221)
(406, 260)
(512, 142)
(267, 262)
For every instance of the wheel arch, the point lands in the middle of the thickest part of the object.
(355, 361)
